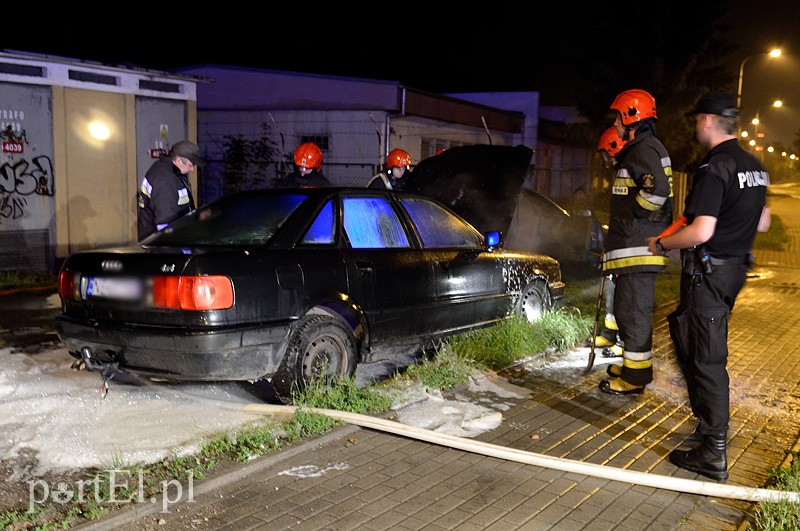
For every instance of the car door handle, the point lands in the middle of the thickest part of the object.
(364, 267)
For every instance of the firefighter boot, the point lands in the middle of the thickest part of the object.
(608, 336)
(618, 386)
(708, 459)
(614, 370)
(601, 341)
(613, 351)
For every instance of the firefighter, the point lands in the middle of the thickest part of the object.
(308, 168)
(641, 207)
(608, 146)
(398, 163)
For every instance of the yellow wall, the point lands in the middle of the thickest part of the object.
(95, 180)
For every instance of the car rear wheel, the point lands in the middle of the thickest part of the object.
(533, 302)
(320, 347)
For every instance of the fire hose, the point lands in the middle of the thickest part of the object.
(705, 488)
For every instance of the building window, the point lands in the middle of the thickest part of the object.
(431, 146)
(320, 140)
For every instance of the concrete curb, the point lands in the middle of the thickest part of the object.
(131, 513)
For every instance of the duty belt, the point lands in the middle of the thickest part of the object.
(736, 260)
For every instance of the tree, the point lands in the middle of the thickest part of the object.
(249, 164)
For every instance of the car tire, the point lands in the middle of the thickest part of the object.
(533, 302)
(320, 346)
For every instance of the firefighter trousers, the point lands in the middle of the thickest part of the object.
(634, 298)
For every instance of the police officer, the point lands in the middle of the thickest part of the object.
(724, 209)
(308, 168)
(641, 206)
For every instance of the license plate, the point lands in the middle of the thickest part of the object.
(127, 289)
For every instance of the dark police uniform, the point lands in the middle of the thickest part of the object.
(731, 186)
(641, 207)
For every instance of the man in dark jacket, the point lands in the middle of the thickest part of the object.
(725, 209)
(641, 206)
(165, 193)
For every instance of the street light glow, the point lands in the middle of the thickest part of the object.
(775, 52)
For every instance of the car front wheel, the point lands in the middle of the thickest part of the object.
(320, 347)
(533, 302)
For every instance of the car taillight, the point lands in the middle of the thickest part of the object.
(192, 292)
(67, 287)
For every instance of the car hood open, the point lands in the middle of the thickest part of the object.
(481, 183)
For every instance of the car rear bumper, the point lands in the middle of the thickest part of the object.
(232, 354)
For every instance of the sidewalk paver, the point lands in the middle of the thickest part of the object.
(379, 481)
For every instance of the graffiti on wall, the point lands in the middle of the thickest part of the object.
(22, 179)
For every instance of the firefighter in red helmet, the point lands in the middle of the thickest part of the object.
(609, 145)
(640, 207)
(398, 162)
(308, 168)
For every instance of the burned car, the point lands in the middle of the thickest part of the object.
(484, 185)
(294, 284)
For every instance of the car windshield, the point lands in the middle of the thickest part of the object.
(242, 219)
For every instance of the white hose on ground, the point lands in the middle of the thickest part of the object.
(705, 488)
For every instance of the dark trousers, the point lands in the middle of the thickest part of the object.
(699, 330)
(634, 297)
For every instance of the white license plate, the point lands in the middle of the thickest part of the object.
(114, 288)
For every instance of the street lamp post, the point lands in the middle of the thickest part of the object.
(774, 53)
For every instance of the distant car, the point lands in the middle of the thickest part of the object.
(294, 284)
(484, 184)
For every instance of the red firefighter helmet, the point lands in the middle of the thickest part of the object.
(308, 155)
(398, 157)
(610, 142)
(634, 105)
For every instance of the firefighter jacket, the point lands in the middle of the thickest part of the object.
(164, 195)
(641, 205)
(315, 179)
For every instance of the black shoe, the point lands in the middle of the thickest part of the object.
(618, 386)
(708, 459)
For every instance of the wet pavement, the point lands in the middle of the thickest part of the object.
(364, 478)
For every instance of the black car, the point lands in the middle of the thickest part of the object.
(288, 285)
(485, 185)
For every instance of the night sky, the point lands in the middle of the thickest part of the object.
(508, 45)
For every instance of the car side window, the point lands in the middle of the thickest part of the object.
(439, 228)
(372, 223)
(321, 230)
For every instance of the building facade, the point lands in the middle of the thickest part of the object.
(76, 136)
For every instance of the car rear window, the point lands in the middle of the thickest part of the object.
(439, 228)
(235, 220)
